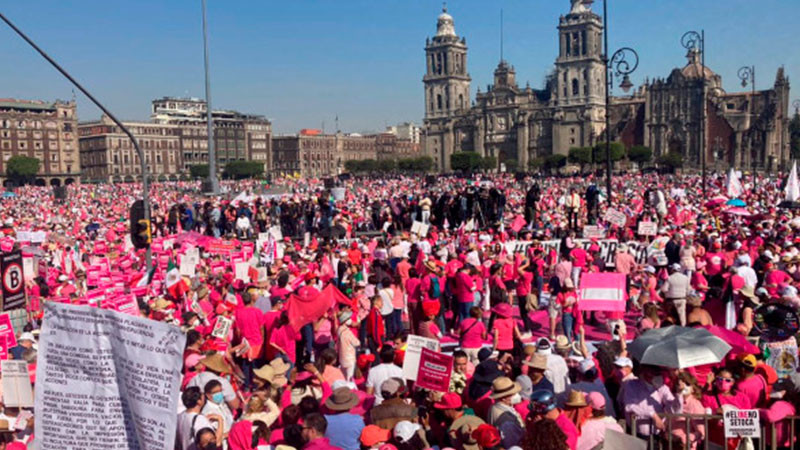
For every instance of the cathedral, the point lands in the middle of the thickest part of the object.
(746, 130)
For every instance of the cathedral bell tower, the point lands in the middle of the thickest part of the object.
(447, 85)
(579, 90)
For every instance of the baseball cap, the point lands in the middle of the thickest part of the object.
(747, 360)
(586, 365)
(451, 400)
(596, 401)
(373, 434)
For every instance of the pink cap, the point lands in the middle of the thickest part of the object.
(596, 400)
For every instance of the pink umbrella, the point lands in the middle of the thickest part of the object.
(738, 343)
(737, 211)
(716, 201)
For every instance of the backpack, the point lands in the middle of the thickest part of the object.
(435, 290)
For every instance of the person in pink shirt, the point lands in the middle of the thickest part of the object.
(751, 384)
(472, 333)
(715, 260)
(505, 329)
(248, 325)
(593, 431)
(464, 291)
(579, 259)
(721, 393)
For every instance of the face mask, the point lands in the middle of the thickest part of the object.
(723, 385)
(210, 446)
(516, 398)
(686, 391)
(218, 398)
(349, 322)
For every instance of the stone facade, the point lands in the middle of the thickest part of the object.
(45, 131)
(746, 130)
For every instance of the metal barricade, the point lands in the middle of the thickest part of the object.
(666, 438)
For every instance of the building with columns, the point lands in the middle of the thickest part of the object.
(520, 124)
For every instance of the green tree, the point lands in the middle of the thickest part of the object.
(640, 155)
(386, 165)
(198, 171)
(511, 165)
(580, 156)
(536, 163)
(794, 136)
(238, 170)
(555, 161)
(22, 169)
(352, 165)
(672, 160)
(465, 161)
(488, 163)
(423, 164)
(617, 152)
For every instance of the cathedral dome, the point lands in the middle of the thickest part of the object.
(445, 25)
(694, 68)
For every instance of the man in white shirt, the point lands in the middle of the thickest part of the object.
(744, 270)
(382, 372)
(215, 364)
(557, 371)
(191, 421)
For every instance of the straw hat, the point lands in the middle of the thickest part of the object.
(279, 366)
(538, 362)
(576, 399)
(503, 387)
(266, 373)
(430, 265)
(215, 363)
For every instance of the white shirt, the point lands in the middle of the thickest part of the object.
(243, 223)
(186, 431)
(202, 378)
(557, 373)
(379, 374)
(227, 416)
(749, 275)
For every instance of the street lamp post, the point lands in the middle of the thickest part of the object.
(694, 41)
(139, 153)
(796, 106)
(213, 182)
(622, 67)
(748, 75)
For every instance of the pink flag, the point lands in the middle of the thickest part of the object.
(602, 292)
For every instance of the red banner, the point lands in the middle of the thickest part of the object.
(434, 370)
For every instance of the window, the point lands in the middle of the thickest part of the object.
(5, 134)
(6, 145)
(575, 87)
(439, 101)
(53, 156)
(22, 134)
(22, 145)
(67, 126)
(38, 145)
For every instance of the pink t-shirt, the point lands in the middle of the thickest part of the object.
(505, 333)
(578, 256)
(569, 429)
(714, 263)
(249, 322)
(472, 333)
(524, 285)
(753, 388)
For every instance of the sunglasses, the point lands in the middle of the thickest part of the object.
(729, 380)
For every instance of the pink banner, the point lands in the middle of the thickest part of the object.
(602, 292)
(7, 331)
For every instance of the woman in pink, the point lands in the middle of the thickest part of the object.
(326, 364)
(689, 393)
(347, 344)
(472, 333)
(719, 393)
(568, 301)
(777, 412)
(505, 329)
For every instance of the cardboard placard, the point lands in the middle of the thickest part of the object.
(222, 327)
(420, 229)
(414, 347)
(593, 232)
(17, 391)
(742, 423)
(647, 229)
(615, 217)
(434, 370)
(187, 267)
(242, 271)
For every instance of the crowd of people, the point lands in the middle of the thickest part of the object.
(489, 266)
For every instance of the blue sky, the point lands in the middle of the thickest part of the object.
(302, 62)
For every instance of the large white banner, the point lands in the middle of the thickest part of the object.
(106, 380)
(608, 248)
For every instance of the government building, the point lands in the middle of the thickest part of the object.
(747, 130)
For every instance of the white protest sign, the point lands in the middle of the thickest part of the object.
(275, 231)
(593, 232)
(242, 271)
(28, 269)
(419, 228)
(187, 267)
(122, 373)
(17, 390)
(647, 229)
(517, 246)
(222, 327)
(617, 218)
(413, 351)
(742, 423)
